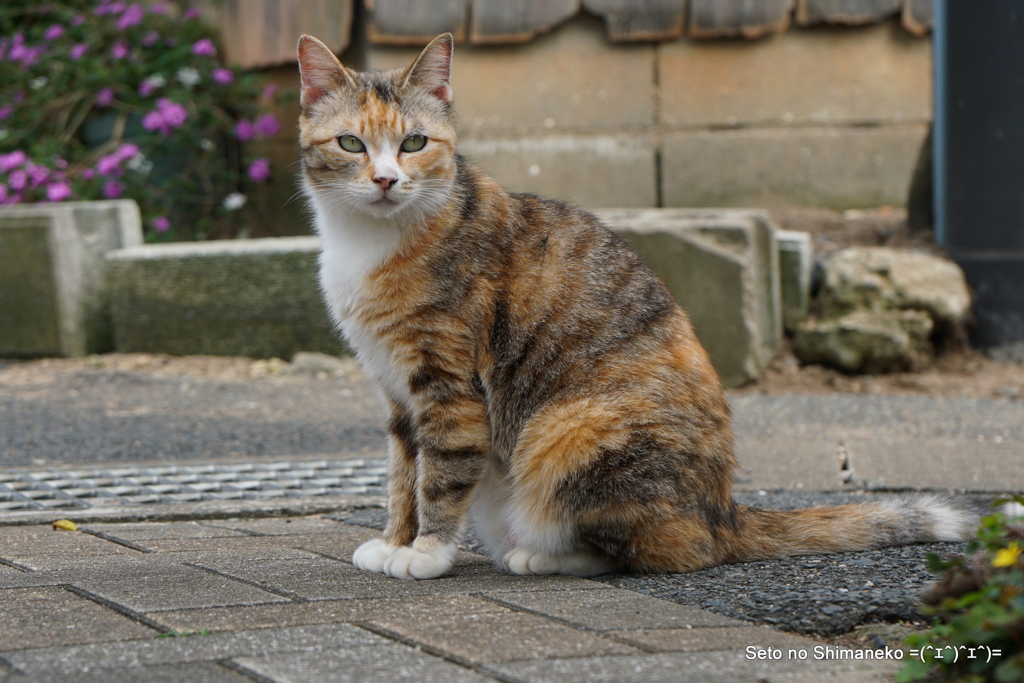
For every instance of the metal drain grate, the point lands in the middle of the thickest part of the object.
(87, 487)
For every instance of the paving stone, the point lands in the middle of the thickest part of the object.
(699, 667)
(774, 463)
(32, 617)
(613, 609)
(200, 672)
(713, 638)
(268, 547)
(479, 631)
(276, 525)
(382, 663)
(163, 585)
(276, 615)
(33, 546)
(142, 531)
(132, 654)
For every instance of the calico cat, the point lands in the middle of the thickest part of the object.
(538, 375)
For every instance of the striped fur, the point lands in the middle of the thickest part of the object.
(535, 369)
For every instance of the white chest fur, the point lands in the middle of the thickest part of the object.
(354, 246)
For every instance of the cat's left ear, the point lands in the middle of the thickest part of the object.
(432, 68)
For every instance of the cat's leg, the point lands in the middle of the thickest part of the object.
(402, 525)
(453, 439)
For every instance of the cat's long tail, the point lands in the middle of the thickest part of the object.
(900, 520)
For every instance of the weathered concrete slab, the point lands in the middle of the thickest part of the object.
(708, 639)
(839, 167)
(722, 267)
(959, 464)
(53, 284)
(598, 170)
(796, 263)
(255, 298)
(785, 463)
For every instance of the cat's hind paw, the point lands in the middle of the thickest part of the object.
(373, 555)
(523, 562)
(426, 559)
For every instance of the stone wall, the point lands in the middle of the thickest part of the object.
(820, 115)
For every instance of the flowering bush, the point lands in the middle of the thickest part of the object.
(108, 99)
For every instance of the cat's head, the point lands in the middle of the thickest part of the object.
(380, 143)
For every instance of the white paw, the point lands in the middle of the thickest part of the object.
(522, 561)
(421, 561)
(372, 555)
(1012, 509)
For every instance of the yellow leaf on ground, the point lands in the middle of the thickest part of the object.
(65, 524)
(1007, 557)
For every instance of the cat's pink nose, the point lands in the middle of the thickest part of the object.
(385, 183)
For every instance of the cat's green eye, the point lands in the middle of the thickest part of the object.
(414, 143)
(350, 143)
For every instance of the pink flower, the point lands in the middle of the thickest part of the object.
(160, 224)
(5, 111)
(131, 17)
(54, 32)
(58, 192)
(109, 8)
(267, 126)
(13, 160)
(192, 13)
(38, 174)
(120, 50)
(88, 174)
(3, 193)
(112, 189)
(244, 130)
(166, 117)
(126, 151)
(268, 91)
(18, 180)
(223, 76)
(146, 88)
(149, 40)
(204, 47)
(78, 51)
(157, 8)
(259, 170)
(109, 165)
(105, 97)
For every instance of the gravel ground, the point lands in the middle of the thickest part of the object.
(821, 595)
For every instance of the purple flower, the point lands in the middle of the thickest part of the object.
(160, 224)
(105, 97)
(54, 32)
(268, 91)
(109, 8)
(38, 174)
(13, 160)
(149, 40)
(126, 151)
(78, 51)
(18, 180)
(88, 174)
(244, 130)
(3, 193)
(78, 20)
(131, 17)
(192, 13)
(5, 111)
(58, 192)
(223, 76)
(204, 47)
(267, 126)
(158, 8)
(112, 189)
(109, 165)
(146, 88)
(120, 50)
(166, 117)
(259, 170)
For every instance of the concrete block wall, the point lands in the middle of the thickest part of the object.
(820, 116)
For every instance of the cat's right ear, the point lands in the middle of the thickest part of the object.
(319, 71)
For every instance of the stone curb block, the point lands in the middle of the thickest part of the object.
(796, 263)
(256, 298)
(53, 283)
(722, 266)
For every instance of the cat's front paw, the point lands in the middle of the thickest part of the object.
(372, 555)
(424, 560)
